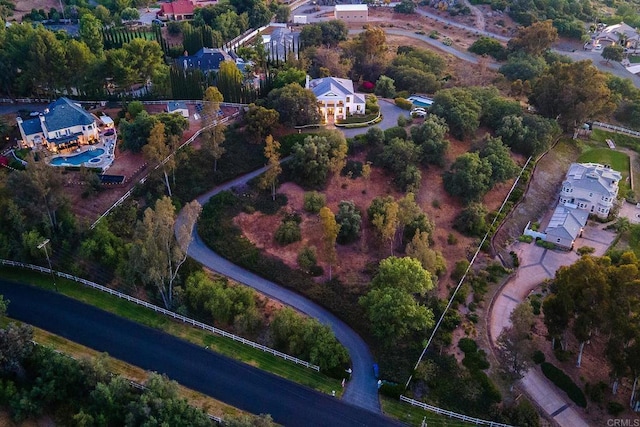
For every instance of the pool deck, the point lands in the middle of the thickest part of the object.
(107, 143)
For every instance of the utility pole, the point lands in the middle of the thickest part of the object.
(43, 245)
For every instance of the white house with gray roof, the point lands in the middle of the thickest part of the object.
(336, 98)
(62, 124)
(591, 187)
(565, 226)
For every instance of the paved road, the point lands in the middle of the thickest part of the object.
(536, 265)
(362, 390)
(235, 383)
(390, 113)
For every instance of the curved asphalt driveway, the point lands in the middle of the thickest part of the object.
(362, 390)
(238, 384)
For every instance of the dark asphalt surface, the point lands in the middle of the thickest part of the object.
(362, 389)
(225, 379)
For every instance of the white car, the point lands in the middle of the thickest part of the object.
(598, 47)
(418, 112)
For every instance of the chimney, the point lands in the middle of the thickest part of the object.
(306, 83)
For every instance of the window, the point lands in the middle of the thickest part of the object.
(357, 107)
(348, 99)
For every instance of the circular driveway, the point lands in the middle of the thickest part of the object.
(390, 113)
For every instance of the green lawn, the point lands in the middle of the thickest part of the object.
(357, 119)
(634, 59)
(228, 347)
(412, 415)
(621, 140)
(617, 160)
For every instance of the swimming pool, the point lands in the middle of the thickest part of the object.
(78, 159)
(420, 101)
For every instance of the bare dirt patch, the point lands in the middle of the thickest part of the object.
(23, 7)
(354, 259)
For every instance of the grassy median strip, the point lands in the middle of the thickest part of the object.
(413, 415)
(147, 317)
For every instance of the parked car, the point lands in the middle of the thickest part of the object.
(418, 112)
(158, 22)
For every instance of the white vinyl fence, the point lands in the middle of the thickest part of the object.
(616, 129)
(164, 311)
(451, 414)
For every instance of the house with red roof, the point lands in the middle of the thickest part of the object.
(179, 10)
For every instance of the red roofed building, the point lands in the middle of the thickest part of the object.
(179, 10)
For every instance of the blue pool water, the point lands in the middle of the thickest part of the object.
(420, 101)
(78, 159)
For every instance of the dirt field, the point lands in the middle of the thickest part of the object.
(354, 259)
(462, 38)
(23, 7)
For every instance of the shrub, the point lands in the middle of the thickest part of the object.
(395, 132)
(525, 239)
(316, 271)
(174, 28)
(596, 391)
(535, 305)
(367, 86)
(561, 355)
(349, 219)
(314, 201)
(434, 35)
(353, 169)
(391, 390)
(515, 259)
(585, 250)
(307, 258)
(288, 141)
(403, 103)
(538, 357)
(403, 121)
(545, 244)
(467, 345)
(288, 232)
(459, 269)
(472, 220)
(615, 408)
(371, 104)
(451, 239)
(562, 381)
(265, 203)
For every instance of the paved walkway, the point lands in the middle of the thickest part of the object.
(536, 265)
(362, 390)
